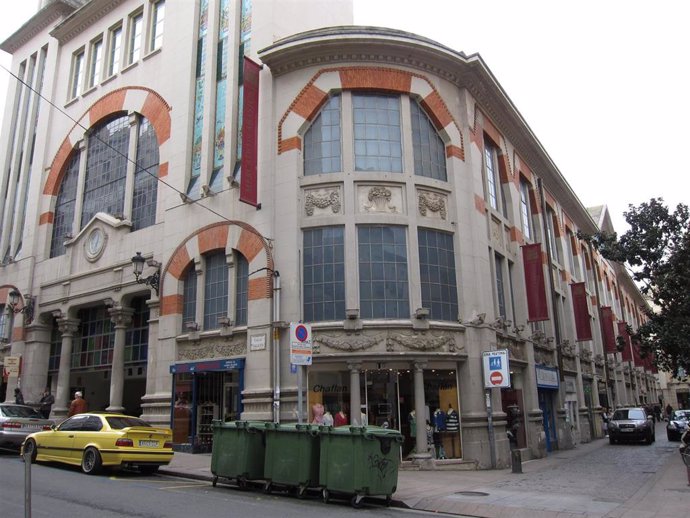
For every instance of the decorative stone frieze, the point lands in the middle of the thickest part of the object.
(348, 342)
(204, 350)
(380, 199)
(432, 204)
(421, 342)
(542, 357)
(567, 349)
(516, 350)
(322, 199)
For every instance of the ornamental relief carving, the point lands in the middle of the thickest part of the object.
(567, 349)
(421, 342)
(195, 351)
(431, 204)
(516, 351)
(497, 232)
(380, 199)
(347, 343)
(586, 367)
(322, 199)
(543, 358)
(586, 355)
(569, 364)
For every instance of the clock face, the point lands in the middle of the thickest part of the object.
(94, 244)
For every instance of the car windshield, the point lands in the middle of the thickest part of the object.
(629, 413)
(681, 415)
(19, 411)
(120, 422)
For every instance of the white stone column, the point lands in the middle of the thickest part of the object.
(421, 445)
(68, 327)
(355, 398)
(122, 318)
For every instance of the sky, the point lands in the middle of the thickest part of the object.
(603, 84)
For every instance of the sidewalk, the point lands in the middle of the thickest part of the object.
(482, 493)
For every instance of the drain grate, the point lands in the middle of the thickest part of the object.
(471, 493)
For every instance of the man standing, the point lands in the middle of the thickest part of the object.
(78, 405)
(47, 400)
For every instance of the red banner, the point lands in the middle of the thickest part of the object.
(250, 132)
(583, 326)
(623, 332)
(535, 286)
(607, 323)
(639, 362)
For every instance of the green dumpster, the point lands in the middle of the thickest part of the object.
(238, 451)
(359, 461)
(292, 456)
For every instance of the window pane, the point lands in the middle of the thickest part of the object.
(324, 274)
(241, 291)
(378, 144)
(189, 296)
(93, 347)
(525, 210)
(135, 25)
(322, 140)
(114, 51)
(216, 289)
(437, 274)
(145, 177)
(157, 25)
(137, 336)
(429, 151)
(383, 294)
(491, 173)
(500, 288)
(64, 207)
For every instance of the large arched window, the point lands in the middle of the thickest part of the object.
(108, 165)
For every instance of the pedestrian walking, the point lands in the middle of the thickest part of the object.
(47, 400)
(78, 405)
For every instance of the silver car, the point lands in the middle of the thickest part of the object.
(678, 423)
(18, 421)
(631, 424)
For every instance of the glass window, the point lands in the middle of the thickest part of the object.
(145, 177)
(241, 290)
(64, 207)
(77, 74)
(137, 335)
(96, 57)
(4, 324)
(135, 25)
(189, 296)
(383, 285)
(324, 274)
(550, 228)
(437, 274)
(378, 144)
(114, 50)
(500, 286)
(569, 240)
(525, 214)
(157, 20)
(94, 345)
(55, 348)
(106, 169)
(215, 289)
(491, 168)
(429, 150)
(322, 141)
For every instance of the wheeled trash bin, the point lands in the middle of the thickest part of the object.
(238, 451)
(292, 456)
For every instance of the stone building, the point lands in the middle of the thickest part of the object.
(265, 168)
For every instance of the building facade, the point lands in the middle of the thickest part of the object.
(263, 169)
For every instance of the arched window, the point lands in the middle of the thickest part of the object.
(241, 290)
(104, 178)
(322, 141)
(429, 150)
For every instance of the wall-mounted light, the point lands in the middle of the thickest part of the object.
(152, 280)
(27, 308)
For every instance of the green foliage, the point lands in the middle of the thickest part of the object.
(656, 252)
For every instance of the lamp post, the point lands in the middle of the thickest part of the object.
(152, 280)
(27, 308)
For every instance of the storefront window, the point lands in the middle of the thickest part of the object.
(329, 397)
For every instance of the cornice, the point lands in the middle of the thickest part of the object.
(47, 16)
(82, 19)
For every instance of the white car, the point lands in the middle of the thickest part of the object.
(18, 421)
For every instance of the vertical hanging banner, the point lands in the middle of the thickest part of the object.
(583, 326)
(623, 331)
(250, 132)
(535, 286)
(607, 323)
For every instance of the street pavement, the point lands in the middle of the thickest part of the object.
(553, 487)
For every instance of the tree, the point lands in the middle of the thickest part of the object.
(656, 252)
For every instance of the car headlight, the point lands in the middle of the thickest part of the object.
(613, 424)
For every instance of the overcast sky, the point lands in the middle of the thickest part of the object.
(604, 85)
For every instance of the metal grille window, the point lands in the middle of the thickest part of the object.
(189, 296)
(383, 284)
(106, 169)
(241, 290)
(324, 274)
(137, 335)
(378, 145)
(215, 289)
(145, 178)
(322, 149)
(428, 148)
(64, 207)
(94, 345)
(437, 274)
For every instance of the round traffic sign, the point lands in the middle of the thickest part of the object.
(301, 333)
(496, 378)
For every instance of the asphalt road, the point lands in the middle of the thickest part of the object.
(62, 491)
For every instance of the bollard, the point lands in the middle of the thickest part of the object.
(516, 460)
(27, 485)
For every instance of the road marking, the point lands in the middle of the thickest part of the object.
(183, 486)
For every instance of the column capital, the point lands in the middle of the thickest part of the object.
(419, 366)
(121, 316)
(68, 326)
(354, 366)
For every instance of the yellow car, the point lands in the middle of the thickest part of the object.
(97, 439)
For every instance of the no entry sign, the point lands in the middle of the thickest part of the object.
(496, 371)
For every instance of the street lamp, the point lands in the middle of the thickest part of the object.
(27, 308)
(152, 280)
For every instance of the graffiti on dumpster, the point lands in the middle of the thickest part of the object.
(380, 465)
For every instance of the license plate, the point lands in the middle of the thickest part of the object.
(148, 444)
(626, 429)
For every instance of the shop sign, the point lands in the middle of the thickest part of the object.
(206, 366)
(496, 373)
(547, 377)
(300, 344)
(12, 365)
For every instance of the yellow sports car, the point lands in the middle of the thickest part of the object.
(97, 439)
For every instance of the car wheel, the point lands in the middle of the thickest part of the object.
(612, 440)
(148, 470)
(91, 461)
(30, 448)
(669, 436)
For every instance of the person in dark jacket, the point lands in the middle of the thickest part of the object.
(47, 400)
(18, 396)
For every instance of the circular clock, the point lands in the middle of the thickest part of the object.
(95, 242)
